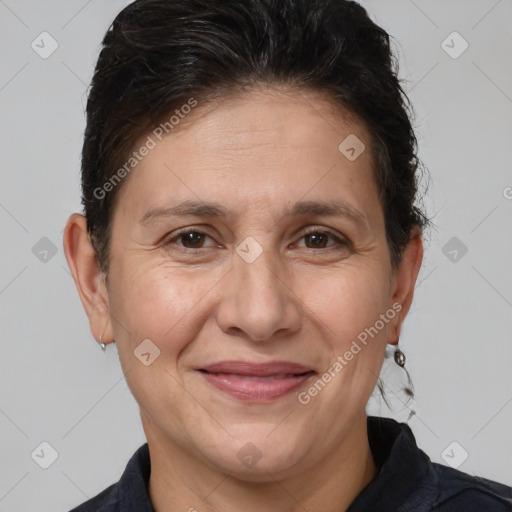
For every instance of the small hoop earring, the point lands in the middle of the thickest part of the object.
(102, 345)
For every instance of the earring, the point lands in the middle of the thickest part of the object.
(399, 356)
(102, 345)
(409, 390)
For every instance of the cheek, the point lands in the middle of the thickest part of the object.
(347, 301)
(349, 310)
(156, 303)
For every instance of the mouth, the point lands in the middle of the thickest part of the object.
(256, 382)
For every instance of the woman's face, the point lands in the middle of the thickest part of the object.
(251, 285)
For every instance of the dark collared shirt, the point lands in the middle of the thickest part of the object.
(407, 481)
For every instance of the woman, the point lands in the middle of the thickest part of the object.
(251, 244)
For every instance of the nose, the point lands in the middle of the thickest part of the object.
(258, 301)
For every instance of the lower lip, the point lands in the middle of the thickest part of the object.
(255, 390)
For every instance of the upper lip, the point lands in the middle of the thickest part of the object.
(256, 369)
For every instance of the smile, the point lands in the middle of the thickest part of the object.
(256, 382)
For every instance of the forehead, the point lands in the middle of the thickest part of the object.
(261, 145)
(290, 116)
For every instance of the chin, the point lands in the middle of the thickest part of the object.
(252, 457)
(264, 470)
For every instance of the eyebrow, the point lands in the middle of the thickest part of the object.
(335, 208)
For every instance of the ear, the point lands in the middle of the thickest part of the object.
(89, 280)
(403, 282)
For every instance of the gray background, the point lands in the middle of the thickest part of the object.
(57, 385)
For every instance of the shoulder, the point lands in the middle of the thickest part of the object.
(409, 481)
(99, 502)
(130, 493)
(459, 491)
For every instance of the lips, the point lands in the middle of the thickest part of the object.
(257, 369)
(257, 382)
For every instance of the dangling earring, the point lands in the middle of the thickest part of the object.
(400, 361)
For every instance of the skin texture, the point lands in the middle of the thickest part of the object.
(256, 154)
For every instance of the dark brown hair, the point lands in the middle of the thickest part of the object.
(158, 54)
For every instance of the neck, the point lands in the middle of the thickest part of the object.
(181, 482)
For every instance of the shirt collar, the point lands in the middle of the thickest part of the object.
(131, 494)
(401, 466)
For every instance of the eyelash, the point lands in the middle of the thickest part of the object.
(310, 231)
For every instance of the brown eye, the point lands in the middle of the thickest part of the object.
(192, 239)
(317, 239)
